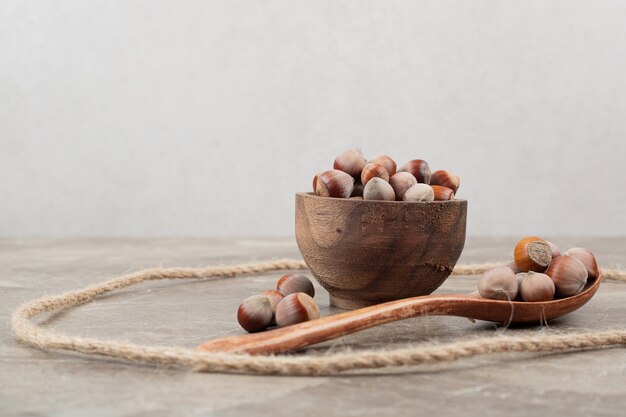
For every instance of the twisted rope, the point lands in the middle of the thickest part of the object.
(32, 334)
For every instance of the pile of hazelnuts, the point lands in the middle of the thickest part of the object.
(354, 176)
(539, 272)
(291, 303)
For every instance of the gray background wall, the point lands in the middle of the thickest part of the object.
(204, 117)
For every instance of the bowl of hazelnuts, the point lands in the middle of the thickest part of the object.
(372, 232)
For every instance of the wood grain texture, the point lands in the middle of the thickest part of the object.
(368, 252)
(472, 306)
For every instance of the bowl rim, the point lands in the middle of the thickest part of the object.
(361, 201)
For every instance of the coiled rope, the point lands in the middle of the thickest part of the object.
(332, 363)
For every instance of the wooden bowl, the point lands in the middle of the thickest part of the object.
(369, 252)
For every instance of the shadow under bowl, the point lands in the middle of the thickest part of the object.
(368, 252)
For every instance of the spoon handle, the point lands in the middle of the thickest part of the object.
(315, 331)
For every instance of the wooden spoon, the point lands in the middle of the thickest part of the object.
(472, 306)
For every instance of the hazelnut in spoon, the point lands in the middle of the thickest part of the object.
(472, 306)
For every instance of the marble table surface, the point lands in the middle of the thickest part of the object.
(37, 383)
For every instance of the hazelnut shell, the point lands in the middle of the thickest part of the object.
(569, 275)
(419, 192)
(334, 183)
(445, 179)
(419, 169)
(293, 282)
(387, 162)
(401, 182)
(587, 259)
(373, 170)
(498, 283)
(350, 161)
(296, 308)
(378, 189)
(532, 254)
(442, 193)
(255, 313)
(535, 286)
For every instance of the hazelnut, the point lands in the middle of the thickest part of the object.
(350, 161)
(498, 283)
(275, 297)
(291, 283)
(401, 182)
(445, 179)
(442, 193)
(378, 189)
(255, 313)
(535, 286)
(419, 192)
(569, 275)
(387, 162)
(334, 183)
(296, 308)
(532, 254)
(587, 259)
(419, 169)
(374, 170)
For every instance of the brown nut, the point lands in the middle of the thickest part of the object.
(535, 286)
(293, 282)
(350, 161)
(296, 308)
(498, 283)
(378, 189)
(587, 258)
(445, 179)
(532, 254)
(334, 183)
(419, 192)
(569, 275)
(442, 193)
(373, 170)
(255, 313)
(275, 297)
(401, 182)
(419, 169)
(387, 162)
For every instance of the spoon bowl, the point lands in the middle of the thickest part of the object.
(472, 306)
(524, 312)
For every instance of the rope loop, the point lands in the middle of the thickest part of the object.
(34, 335)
